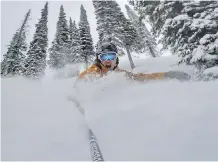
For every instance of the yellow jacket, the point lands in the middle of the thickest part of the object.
(101, 71)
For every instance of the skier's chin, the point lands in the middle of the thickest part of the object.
(108, 66)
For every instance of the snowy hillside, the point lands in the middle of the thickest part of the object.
(162, 120)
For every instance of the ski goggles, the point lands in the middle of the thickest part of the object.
(108, 56)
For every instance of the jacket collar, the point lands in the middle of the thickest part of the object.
(105, 70)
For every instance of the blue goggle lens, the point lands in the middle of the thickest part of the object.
(108, 56)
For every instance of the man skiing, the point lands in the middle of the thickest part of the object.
(107, 60)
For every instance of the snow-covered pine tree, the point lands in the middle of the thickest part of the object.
(204, 27)
(71, 30)
(145, 41)
(70, 54)
(35, 63)
(75, 43)
(128, 36)
(157, 12)
(146, 9)
(126, 31)
(113, 26)
(12, 64)
(139, 45)
(165, 10)
(193, 35)
(107, 25)
(85, 37)
(206, 54)
(189, 28)
(60, 45)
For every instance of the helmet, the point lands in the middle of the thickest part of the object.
(107, 47)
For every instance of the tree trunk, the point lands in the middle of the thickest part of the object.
(130, 58)
(152, 52)
(86, 62)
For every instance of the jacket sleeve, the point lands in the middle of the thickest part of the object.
(179, 75)
(144, 77)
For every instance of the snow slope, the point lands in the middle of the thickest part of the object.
(162, 120)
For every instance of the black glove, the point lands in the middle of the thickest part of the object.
(178, 75)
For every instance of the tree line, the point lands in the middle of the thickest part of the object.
(188, 28)
(74, 44)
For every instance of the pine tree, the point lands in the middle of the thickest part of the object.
(146, 9)
(114, 27)
(74, 37)
(35, 63)
(12, 64)
(60, 45)
(71, 29)
(157, 12)
(70, 54)
(189, 28)
(193, 35)
(128, 36)
(206, 54)
(126, 31)
(85, 37)
(144, 41)
(203, 17)
(107, 24)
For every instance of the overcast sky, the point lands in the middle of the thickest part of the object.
(12, 13)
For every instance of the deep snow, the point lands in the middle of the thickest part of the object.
(161, 120)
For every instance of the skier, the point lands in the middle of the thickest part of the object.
(107, 60)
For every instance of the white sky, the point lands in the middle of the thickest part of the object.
(12, 13)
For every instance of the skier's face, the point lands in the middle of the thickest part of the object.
(108, 59)
(109, 64)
